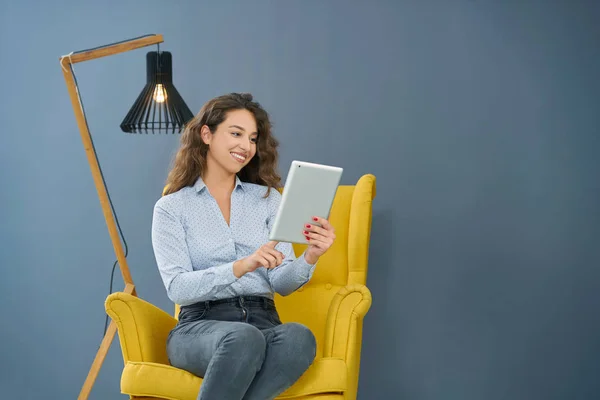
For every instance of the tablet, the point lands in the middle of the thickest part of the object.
(309, 191)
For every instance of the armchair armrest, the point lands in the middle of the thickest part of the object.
(143, 328)
(343, 330)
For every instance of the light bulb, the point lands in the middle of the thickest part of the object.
(160, 94)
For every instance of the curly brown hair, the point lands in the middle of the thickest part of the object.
(190, 161)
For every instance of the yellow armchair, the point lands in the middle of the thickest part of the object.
(333, 305)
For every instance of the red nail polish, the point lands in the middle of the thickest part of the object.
(315, 218)
(307, 238)
(307, 225)
(306, 233)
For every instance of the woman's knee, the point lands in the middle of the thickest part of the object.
(245, 335)
(193, 350)
(246, 341)
(302, 339)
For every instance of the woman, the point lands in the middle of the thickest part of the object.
(210, 237)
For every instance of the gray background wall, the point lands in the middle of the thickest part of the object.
(479, 119)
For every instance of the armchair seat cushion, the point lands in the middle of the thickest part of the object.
(326, 375)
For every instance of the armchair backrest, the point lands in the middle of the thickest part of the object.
(345, 263)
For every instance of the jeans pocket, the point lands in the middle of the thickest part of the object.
(192, 315)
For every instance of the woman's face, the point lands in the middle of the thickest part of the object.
(233, 144)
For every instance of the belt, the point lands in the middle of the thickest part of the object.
(241, 300)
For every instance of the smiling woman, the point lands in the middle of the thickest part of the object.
(233, 144)
(210, 236)
(239, 117)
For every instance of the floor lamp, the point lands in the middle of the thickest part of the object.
(158, 108)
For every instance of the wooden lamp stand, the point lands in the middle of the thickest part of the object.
(66, 63)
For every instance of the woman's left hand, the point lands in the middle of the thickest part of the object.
(319, 239)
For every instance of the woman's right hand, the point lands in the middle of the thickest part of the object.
(266, 256)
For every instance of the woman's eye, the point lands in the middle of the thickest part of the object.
(254, 140)
(235, 133)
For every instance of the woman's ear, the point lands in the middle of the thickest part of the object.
(205, 134)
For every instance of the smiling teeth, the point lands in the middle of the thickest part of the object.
(241, 158)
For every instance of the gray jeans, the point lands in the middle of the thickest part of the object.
(241, 348)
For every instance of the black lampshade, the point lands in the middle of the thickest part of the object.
(159, 108)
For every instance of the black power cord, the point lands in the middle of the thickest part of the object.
(112, 274)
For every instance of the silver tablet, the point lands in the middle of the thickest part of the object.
(309, 191)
